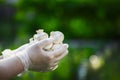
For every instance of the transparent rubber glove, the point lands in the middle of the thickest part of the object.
(21, 48)
(35, 58)
(8, 52)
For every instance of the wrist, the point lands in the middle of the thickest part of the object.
(24, 58)
(20, 65)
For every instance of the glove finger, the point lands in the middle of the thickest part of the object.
(62, 55)
(59, 51)
(21, 48)
(45, 42)
(54, 63)
(54, 67)
(66, 45)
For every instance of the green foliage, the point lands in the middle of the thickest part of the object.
(80, 18)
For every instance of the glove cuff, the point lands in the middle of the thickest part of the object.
(24, 58)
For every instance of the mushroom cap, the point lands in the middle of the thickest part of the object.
(57, 36)
(40, 36)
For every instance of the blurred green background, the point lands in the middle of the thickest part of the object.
(91, 28)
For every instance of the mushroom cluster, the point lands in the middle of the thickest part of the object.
(57, 36)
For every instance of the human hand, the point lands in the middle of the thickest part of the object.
(35, 58)
(39, 55)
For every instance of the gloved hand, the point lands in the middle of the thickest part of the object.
(27, 53)
(35, 58)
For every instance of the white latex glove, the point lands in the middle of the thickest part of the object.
(21, 48)
(8, 52)
(35, 58)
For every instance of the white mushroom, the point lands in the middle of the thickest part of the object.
(40, 35)
(48, 47)
(31, 40)
(39, 31)
(56, 46)
(57, 36)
